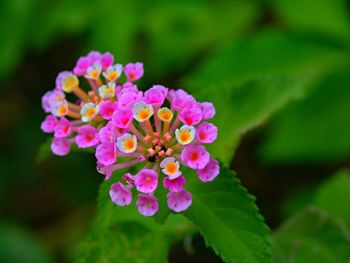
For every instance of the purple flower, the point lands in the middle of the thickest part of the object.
(146, 181)
(179, 201)
(87, 136)
(147, 204)
(106, 153)
(195, 156)
(134, 71)
(63, 128)
(120, 194)
(60, 146)
(174, 185)
(209, 172)
(206, 132)
(49, 124)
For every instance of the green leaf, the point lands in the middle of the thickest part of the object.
(246, 106)
(228, 218)
(333, 196)
(328, 16)
(252, 79)
(126, 242)
(314, 129)
(19, 246)
(311, 236)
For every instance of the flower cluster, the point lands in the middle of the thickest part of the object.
(158, 130)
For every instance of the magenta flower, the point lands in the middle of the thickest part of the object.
(160, 130)
(195, 156)
(61, 146)
(120, 194)
(146, 181)
(45, 102)
(209, 172)
(174, 185)
(107, 108)
(107, 60)
(108, 134)
(106, 153)
(134, 71)
(147, 205)
(179, 201)
(49, 124)
(208, 110)
(206, 132)
(87, 137)
(191, 115)
(156, 95)
(63, 128)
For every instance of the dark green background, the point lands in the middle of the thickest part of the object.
(278, 72)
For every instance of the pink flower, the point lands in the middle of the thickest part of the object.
(120, 194)
(147, 204)
(45, 101)
(208, 110)
(49, 124)
(206, 132)
(209, 172)
(60, 78)
(108, 134)
(134, 71)
(107, 108)
(129, 178)
(191, 116)
(106, 60)
(63, 128)
(81, 67)
(156, 95)
(56, 98)
(180, 99)
(179, 201)
(128, 86)
(146, 181)
(122, 119)
(174, 185)
(106, 153)
(87, 137)
(94, 56)
(127, 99)
(60, 146)
(195, 156)
(106, 170)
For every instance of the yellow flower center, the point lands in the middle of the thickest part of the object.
(171, 168)
(129, 144)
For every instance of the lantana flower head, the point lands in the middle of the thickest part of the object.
(159, 131)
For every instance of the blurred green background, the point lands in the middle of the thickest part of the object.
(278, 72)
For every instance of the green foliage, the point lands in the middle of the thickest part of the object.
(314, 129)
(175, 32)
(328, 16)
(227, 217)
(333, 196)
(187, 29)
(311, 236)
(19, 246)
(254, 78)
